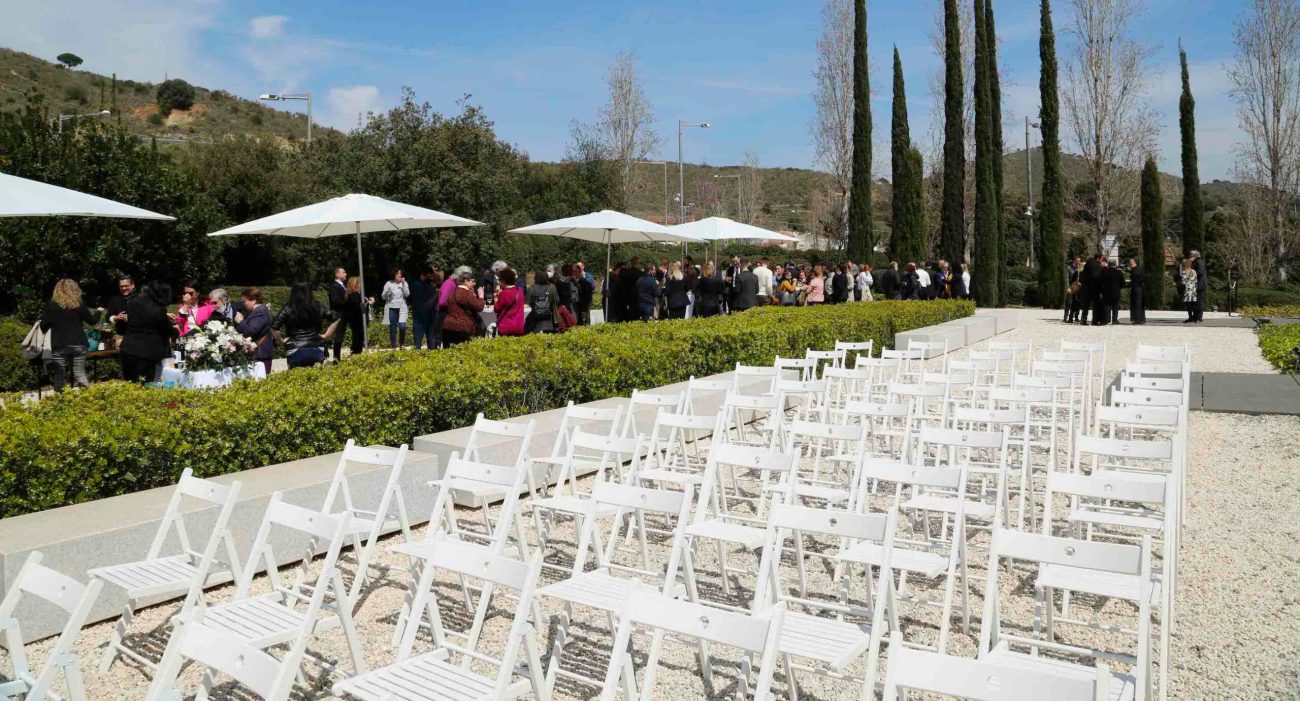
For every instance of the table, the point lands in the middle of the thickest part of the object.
(209, 379)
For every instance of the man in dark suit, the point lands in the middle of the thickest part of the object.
(1202, 284)
(1112, 286)
(1137, 309)
(889, 283)
(424, 299)
(338, 299)
(627, 279)
(1091, 292)
(745, 295)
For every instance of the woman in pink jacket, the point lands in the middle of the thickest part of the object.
(509, 305)
(194, 309)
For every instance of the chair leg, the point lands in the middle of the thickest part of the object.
(119, 633)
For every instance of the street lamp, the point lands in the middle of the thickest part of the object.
(665, 165)
(299, 96)
(681, 169)
(65, 117)
(1029, 188)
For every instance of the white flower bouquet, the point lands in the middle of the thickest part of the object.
(216, 346)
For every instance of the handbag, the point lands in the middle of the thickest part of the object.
(36, 344)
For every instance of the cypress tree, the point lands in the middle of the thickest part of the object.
(1153, 237)
(1193, 209)
(914, 210)
(952, 233)
(1051, 212)
(900, 142)
(996, 150)
(862, 239)
(984, 277)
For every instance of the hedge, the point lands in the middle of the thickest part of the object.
(116, 438)
(1276, 342)
(1285, 311)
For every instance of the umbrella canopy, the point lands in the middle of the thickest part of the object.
(20, 197)
(348, 215)
(722, 229)
(607, 227)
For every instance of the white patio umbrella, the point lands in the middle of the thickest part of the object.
(723, 229)
(20, 197)
(348, 215)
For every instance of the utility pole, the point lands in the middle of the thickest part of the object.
(1029, 190)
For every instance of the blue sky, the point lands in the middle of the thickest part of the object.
(744, 66)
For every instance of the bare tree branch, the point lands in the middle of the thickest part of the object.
(625, 121)
(833, 95)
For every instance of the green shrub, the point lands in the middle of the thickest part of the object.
(174, 94)
(77, 94)
(116, 438)
(1276, 342)
(1284, 311)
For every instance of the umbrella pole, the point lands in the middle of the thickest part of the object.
(361, 275)
(609, 284)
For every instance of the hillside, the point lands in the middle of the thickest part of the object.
(216, 113)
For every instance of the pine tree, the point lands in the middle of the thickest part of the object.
(1051, 213)
(995, 126)
(900, 142)
(1153, 237)
(862, 238)
(952, 233)
(1193, 209)
(914, 210)
(984, 277)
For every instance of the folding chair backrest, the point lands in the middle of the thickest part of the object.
(825, 359)
(220, 652)
(1137, 417)
(1147, 397)
(588, 419)
(355, 454)
(74, 599)
(212, 494)
(1163, 384)
(517, 435)
(983, 680)
(1153, 367)
(307, 526)
(739, 411)
(1112, 452)
(739, 458)
(929, 346)
(676, 437)
(856, 348)
(656, 403)
(754, 635)
(628, 499)
(608, 453)
(1111, 486)
(743, 374)
(698, 388)
(1163, 354)
(802, 368)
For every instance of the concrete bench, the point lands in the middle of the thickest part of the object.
(119, 529)
(1004, 319)
(977, 328)
(954, 334)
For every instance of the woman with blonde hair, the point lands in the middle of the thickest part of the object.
(65, 318)
(356, 314)
(675, 291)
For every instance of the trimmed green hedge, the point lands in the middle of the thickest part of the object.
(1285, 311)
(117, 438)
(1276, 342)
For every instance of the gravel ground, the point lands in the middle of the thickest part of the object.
(1235, 635)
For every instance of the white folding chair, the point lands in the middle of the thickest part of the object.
(220, 652)
(888, 433)
(884, 372)
(930, 349)
(830, 630)
(1096, 351)
(753, 420)
(982, 453)
(825, 359)
(911, 363)
(1164, 354)
(1020, 351)
(926, 405)
(958, 389)
(799, 369)
(763, 377)
(984, 680)
(608, 588)
(1100, 559)
(166, 576)
(294, 611)
(76, 600)
(828, 460)
(646, 403)
(499, 442)
(675, 455)
(591, 420)
(844, 385)
(435, 675)
(804, 399)
(856, 348)
(1020, 470)
(367, 526)
(755, 636)
(698, 388)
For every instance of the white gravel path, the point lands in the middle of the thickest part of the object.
(1236, 633)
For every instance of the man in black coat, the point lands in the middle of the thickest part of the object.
(627, 279)
(1091, 292)
(1137, 310)
(1202, 284)
(338, 299)
(1112, 287)
(745, 286)
(889, 283)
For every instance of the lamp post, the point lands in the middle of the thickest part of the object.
(1029, 190)
(665, 165)
(297, 96)
(65, 117)
(681, 169)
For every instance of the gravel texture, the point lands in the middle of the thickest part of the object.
(1239, 599)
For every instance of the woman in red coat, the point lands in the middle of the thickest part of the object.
(462, 308)
(510, 305)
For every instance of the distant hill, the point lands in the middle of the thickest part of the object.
(216, 113)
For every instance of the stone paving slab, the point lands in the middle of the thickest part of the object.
(1246, 393)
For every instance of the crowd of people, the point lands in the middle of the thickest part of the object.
(1096, 286)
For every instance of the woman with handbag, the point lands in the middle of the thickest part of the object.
(462, 322)
(65, 318)
(299, 324)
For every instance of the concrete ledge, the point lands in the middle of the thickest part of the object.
(1005, 319)
(954, 334)
(111, 531)
(978, 328)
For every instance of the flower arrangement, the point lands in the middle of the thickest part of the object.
(216, 346)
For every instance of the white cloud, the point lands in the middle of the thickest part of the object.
(348, 106)
(267, 27)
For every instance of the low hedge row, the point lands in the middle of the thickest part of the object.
(117, 438)
(1284, 311)
(1276, 342)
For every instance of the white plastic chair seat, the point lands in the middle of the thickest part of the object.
(1122, 686)
(475, 488)
(727, 532)
(261, 620)
(149, 577)
(926, 564)
(1114, 585)
(948, 505)
(835, 643)
(812, 491)
(597, 589)
(428, 677)
(572, 504)
(659, 474)
(1113, 518)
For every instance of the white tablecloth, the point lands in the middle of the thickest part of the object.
(209, 378)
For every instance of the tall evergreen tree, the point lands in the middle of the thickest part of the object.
(984, 277)
(1193, 209)
(952, 233)
(900, 142)
(1153, 236)
(862, 237)
(995, 146)
(1051, 212)
(914, 209)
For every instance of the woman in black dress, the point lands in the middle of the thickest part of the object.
(148, 335)
(708, 292)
